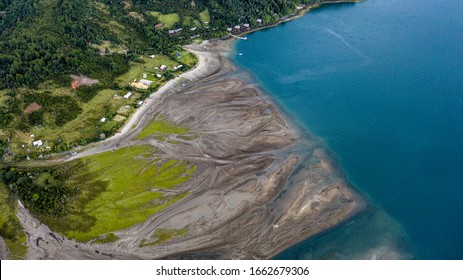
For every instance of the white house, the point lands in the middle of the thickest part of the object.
(163, 67)
(159, 76)
(259, 20)
(103, 120)
(128, 95)
(146, 82)
(152, 56)
(37, 143)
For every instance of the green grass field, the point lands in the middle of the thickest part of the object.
(187, 21)
(204, 16)
(107, 44)
(3, 96)
(87, 124)
(188, 59)
(122, 189)
(10, 228)
(169, 20)
(148, 67)
(108, 238)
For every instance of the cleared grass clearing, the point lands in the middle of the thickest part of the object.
(87, 124)
(10, 228)
(187, 21)
(204, 16)
(133, 178)
(197, 23)
(148, 67)
(169, 20)
(3, 96)
(113, 48)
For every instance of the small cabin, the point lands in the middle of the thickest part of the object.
(37, 143)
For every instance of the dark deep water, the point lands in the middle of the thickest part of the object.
(381, 84)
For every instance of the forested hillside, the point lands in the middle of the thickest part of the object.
(108, 42)
(47, 39)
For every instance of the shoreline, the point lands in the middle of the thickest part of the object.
(199, 69)
(306, 8)
(259, 183)
(134, 120)
(280, 188)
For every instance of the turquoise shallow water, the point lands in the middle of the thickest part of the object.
(381, 84)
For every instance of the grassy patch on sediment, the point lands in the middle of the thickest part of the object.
(169, 20)
(92, 197)
(10, 228)
(160, 127)
(187, 58)
(133, 178)
(108, 238)
(162, 235)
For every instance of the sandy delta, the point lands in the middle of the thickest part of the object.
(261, 185)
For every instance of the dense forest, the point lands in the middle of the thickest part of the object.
(43, 40)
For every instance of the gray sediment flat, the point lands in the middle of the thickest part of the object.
(261, 184)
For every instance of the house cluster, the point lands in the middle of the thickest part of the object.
(238, 28)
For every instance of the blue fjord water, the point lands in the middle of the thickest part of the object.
(381, 84)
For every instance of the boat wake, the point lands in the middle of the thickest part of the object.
(346, 43)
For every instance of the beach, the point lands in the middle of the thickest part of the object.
(261, 184)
